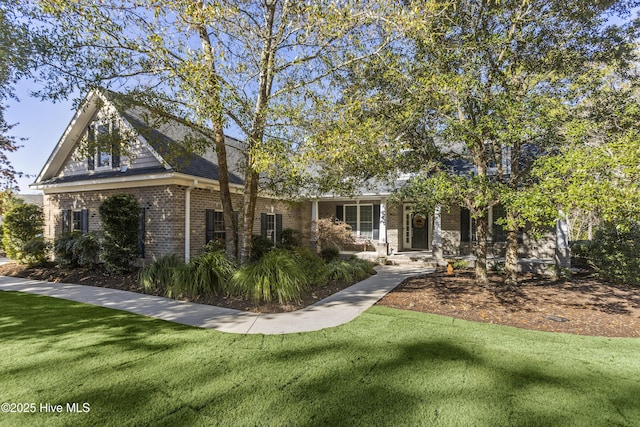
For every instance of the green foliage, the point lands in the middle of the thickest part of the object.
(351, 270)
(22, 223)
(63, 249)
(120, 220)
(329, 254)
(290, 238)
(278, 276)
(75, 249)
(35, 252)
(260, 245)
(214, 246)
(313, 266)
(614, 253)
(460, 264)
(209, 274)
(158, 276)
(87, 249)
(205, 275)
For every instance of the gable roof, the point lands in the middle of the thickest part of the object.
(163, 141)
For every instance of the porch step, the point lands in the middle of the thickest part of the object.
(416, 260)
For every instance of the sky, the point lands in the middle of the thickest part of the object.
(42, 123)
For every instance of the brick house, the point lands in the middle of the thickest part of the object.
(178, 191)
(180, 203)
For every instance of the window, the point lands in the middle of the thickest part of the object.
(360, 218)
(75, 220)
(271, 226)
(467, 226)
(103, 145)
(498, 234)
(214, 225)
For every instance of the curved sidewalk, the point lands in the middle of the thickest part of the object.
(335, 310)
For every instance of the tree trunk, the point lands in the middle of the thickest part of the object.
(481, 251)
(225, 193)
(250, 198)
(511, 255)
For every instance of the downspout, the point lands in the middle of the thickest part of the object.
(187, 221)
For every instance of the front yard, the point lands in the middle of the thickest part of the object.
(387, 367)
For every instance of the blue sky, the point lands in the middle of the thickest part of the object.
(43, 123)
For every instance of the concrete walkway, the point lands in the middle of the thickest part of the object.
(335, 310)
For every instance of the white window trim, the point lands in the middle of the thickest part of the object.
(274, 238)
(358, 231)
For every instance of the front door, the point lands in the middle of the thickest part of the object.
(416, 229)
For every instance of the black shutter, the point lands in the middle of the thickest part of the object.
(279, 228)
(115, 158)
(209, 225)
(142, 228)
(263, 224)
(340, 212)
(66, 220)
(84, 225)
(465, 221)
(376, 222)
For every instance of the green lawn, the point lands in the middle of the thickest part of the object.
(388, 367)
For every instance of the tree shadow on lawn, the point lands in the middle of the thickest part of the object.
(153, 372)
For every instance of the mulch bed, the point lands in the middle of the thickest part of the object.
(129, 282)
(583, 305)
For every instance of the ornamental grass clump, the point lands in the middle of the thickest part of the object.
(159, 275)
(209, 275)
(277, 276)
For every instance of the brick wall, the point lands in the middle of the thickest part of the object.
(165, 213)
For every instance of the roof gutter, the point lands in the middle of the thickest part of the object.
(187, 221)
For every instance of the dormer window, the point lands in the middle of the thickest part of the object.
(103, 144)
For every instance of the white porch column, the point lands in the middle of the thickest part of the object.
(382, 228)
(314, 225)
(187, 220)
(436, 244)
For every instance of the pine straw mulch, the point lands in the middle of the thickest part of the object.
(584, 305)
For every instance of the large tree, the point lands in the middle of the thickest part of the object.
(489, 84)
(15, 63)
(246, 65)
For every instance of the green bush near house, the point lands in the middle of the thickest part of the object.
(120, 220)
(277, 276)
(63, 249)
(77, 250)
(348, 271)
(290, 238)
(22, 224)
(330, 254)
(313, 266)
(206, 275)
(157, 277)
(614, 253)
(35, 252)
(260, 246)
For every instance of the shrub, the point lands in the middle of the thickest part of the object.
(159, 275)
(614, 253)
(214, 246)
(87, 248)
(35, 251)
(209, 275)
(260, 245)
(333, 233)
(120, 218)
(580, 253)
(277, 275)
(460, 264)
(329, 254)
(290, 238)
(22, 223)
(340, 271)
(349, 271)
(63, 249)
(313, 266)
